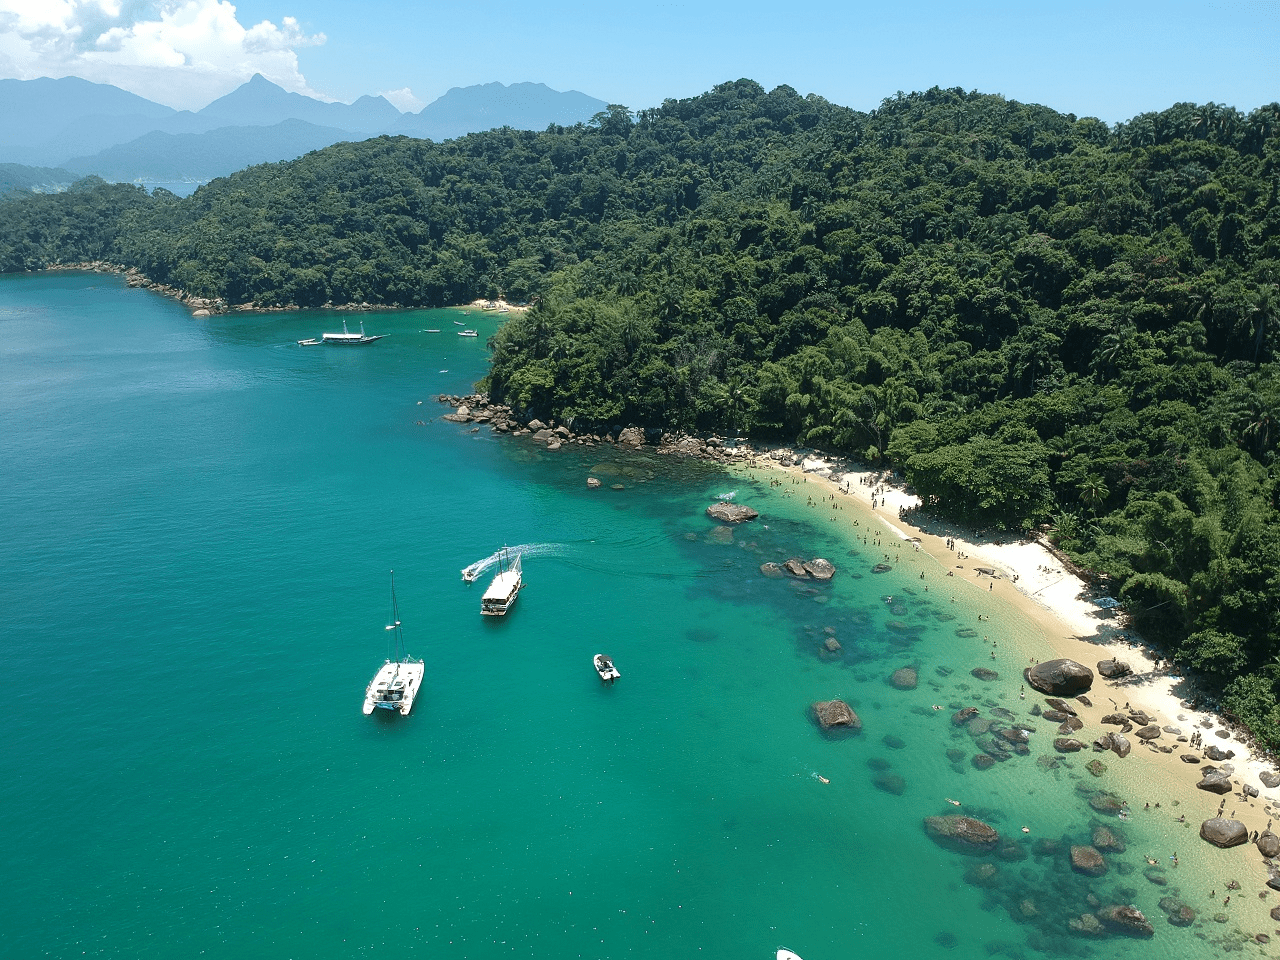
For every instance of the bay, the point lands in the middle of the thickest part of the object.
(200, 519)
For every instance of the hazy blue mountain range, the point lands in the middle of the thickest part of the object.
(159, 156)
(100, 129)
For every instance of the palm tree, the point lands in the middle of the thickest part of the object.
(1093, 491)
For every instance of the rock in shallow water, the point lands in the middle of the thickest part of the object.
(731, 512)
(836, 713)
(960, 832)
(1060, 678)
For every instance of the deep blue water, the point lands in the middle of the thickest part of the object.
(199, 520)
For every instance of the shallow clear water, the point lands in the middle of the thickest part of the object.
(199, 520)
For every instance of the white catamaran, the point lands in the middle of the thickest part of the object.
(504, 589)
(397, 681)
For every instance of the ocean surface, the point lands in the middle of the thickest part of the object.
(199, 522)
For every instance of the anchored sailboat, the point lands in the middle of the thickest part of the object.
(397, 681)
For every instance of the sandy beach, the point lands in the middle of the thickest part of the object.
(499, 306)
(1026, 576)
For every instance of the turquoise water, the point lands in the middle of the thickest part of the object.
(199, 520)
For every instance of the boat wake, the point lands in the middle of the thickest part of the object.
(726, 497)
(475, 570)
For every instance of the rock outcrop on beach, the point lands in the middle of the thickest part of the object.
(731, 512)
(1113, 669)
(965, 834)
(1059, 678)
(1224, 833)
(835, 714)
(1215, 781)
(1268, 844)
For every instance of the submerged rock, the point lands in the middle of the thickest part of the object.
(1088, 860)
(1126, 918)
(963, 833)
(984, 674)
(904, 678)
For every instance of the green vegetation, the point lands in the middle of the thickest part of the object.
(1043, 322)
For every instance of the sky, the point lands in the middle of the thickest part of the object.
(1108, 60)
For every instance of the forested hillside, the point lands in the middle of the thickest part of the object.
(1042, 321)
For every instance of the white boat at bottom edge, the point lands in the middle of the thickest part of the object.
(785, 954)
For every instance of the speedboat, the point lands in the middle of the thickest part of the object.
(604, 666)
(467, 333)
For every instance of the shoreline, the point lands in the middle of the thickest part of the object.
(1026, 577)
(206, 306)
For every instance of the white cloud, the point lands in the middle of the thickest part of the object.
(403, 100)
(183, 53)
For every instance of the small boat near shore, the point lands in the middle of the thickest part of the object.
(396, 684)
(604, 666)
(468, 333)
(344, 339)
(785, 954)
(504, 588)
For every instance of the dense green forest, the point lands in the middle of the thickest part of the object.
(1044, 322)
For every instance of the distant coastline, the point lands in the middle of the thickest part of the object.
(207, 306)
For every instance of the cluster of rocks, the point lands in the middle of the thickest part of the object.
(815, 569)
(476, 408)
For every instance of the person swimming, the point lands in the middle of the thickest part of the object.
(954, 803)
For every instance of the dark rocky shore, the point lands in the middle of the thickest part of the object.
(200, 306)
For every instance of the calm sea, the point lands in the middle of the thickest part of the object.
(199, 523)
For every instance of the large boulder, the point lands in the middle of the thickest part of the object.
(820, 569)
(1067, 745)
(1149, 732)
(961, 717)
(1087, 860)
(1215, 781)
(1217, 754)
(963, 833)
(1126, 918)
(1120, 745)
(630, 437)
(1269, 778)
(1060, 678)
(1113, 668)
(835, 713)
(1268, 844)
(731, 512)
(1222, 832)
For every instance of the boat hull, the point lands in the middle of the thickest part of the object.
(394, 687)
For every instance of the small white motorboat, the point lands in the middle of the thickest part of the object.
(467, 333)
(604, 666)
(785, 954)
